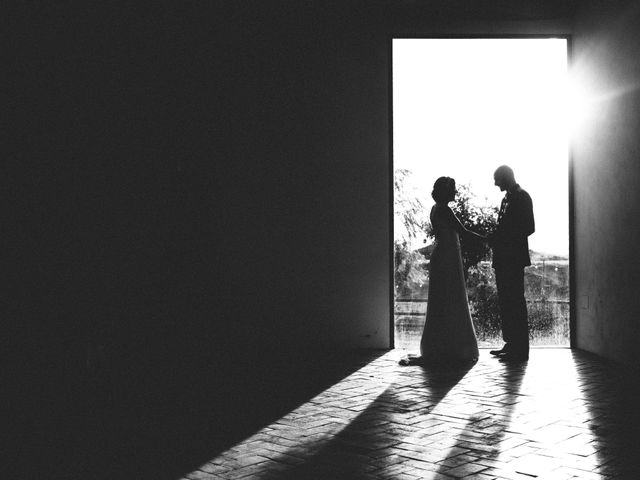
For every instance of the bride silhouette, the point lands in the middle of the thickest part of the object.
(448, 336)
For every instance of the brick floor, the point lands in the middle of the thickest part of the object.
(563, 414)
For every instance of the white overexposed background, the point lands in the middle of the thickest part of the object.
(463, 107)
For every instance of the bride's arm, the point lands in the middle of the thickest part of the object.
(460, 228)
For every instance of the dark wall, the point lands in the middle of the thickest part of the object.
(607, 179)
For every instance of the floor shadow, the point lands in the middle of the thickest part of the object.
(351, 454)
(484, 431)
(609, 391)
(162, 423)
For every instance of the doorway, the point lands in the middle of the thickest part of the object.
(461, 108)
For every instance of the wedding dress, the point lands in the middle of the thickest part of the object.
(448, 333)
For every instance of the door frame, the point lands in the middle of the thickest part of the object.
(570, 174)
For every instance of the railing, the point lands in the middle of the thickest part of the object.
(548, 324)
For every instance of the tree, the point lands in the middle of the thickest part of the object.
(479, 219)
(410, 273)
(409, 209)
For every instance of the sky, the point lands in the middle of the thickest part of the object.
(463, 107)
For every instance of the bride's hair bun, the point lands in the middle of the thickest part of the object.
(444, 189)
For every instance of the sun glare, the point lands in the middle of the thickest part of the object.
(578, 107)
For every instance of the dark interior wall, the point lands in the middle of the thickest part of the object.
(607, 176)
(196, 180)
(206, 180)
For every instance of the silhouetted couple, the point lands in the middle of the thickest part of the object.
(448, 335)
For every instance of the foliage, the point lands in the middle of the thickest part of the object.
(541, 317)
(410, 273)
(408, 208)
(483, 301)
(478, 219)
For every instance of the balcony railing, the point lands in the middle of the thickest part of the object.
(548, 324)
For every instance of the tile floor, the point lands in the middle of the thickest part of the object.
(563, 414)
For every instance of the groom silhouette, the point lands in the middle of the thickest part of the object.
(510, 255)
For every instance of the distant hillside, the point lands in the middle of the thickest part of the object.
(547, 257)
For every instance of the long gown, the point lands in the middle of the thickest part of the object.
(448, 334)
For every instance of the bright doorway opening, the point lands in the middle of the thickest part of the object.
(461, 108)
